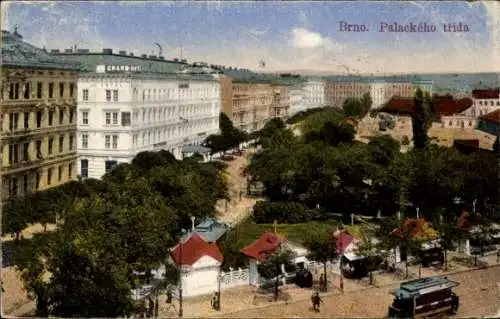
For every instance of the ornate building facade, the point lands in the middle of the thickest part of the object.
(38, 110)
(129, 104)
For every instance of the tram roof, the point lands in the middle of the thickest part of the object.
(423, 286)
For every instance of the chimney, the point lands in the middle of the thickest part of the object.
(121, 52)
(107, 51)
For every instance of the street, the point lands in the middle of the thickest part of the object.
(478, 292)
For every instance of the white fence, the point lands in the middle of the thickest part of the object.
(234, 278)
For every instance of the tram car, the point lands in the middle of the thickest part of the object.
(423, 298)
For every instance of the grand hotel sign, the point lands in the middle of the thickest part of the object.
(117, 68)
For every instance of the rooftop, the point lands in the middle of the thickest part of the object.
(423, 286)
(263, 247)
(486, 93)
(193, 249)
(210, 230)
(17, 53)
(492, 117)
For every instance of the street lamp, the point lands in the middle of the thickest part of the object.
(181, 311)
(219, 278)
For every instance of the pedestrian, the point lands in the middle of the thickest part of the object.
(322, 284)
(169, 300)
(213, 301)
(316, 300)
(498, 255)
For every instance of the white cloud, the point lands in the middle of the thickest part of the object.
(305, 39)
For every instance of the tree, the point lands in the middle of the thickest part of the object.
(448, 234)
(370, 251)
(358, 107)
(322, 248)
(421, 119)
(333, 133)
(282, 212)
(271, 268)
(229, 137)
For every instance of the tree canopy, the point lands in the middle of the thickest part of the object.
(228, 138)
(125, 223)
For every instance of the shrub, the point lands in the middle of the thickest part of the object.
(282, 212)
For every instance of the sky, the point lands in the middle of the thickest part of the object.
(286, 35)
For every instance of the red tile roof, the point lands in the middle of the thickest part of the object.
(412, 225)
(343, 239)
(486, 94)
(450, 107)
(263, 247)
(443, 105)
(398, 105)
(193, 249)
(492, 116)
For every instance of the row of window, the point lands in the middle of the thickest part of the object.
(32, 90)
(110, 141)
(172, 94)
(111, 95)
(30, 183)
(84, 167)
(38, 121)
(15, 155)
(110, 118)
(492, 103)
(165, 134)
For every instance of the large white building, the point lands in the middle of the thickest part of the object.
(127, 105)
(296, 100)
(313, 92)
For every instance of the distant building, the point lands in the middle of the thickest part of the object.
(380, 91)
(281, 101)
(38, 115)
(450, 113)
(424, 85)
(297, 103)
(313, 93)
(484, 101)
(129, 104)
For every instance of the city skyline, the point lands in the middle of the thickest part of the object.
(287, 36)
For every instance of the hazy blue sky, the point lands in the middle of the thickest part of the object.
(294, 35)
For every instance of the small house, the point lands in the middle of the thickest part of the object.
(200, 263)
(264, 247)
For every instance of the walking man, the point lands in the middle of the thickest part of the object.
(316, 300)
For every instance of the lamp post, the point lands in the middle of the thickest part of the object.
(418, 212)
(181, 311)
(219, 278)
(340, 265)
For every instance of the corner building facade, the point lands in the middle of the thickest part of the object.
(38, 112)
(128, 105)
